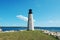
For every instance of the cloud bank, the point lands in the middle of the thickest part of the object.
(50, 23)
(23, 17)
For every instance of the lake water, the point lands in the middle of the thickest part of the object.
(56, 29)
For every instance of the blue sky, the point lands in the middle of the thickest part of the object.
(46, 13)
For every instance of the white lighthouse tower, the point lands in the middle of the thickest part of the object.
(30, 20)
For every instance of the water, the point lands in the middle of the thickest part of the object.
(56, 29)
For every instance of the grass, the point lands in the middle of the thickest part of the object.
(26, 35)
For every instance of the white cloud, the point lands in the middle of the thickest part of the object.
(23, 17)
(50, 23)
(54, 21)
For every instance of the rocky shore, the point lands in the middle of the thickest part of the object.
(55, 34)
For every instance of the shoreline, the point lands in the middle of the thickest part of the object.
(55, 34)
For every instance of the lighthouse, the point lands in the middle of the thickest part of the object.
(30, 20)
